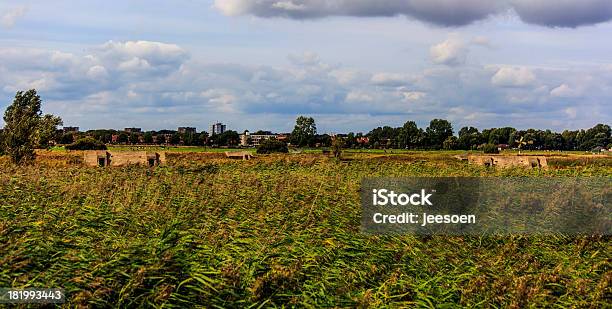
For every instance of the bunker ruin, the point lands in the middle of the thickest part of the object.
(507, 161)
(244, 155)
(103, 158)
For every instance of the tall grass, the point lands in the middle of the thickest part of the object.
(276, 231)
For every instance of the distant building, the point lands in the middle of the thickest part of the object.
(186, 130)
(363, 140)
(248, 139)
(71, 129)
(284, 137)
(217, 128)
(133, 130)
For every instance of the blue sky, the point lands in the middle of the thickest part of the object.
(353, 65)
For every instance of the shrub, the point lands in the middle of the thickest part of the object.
(337, 144)
(272, 146)
(87, 143)
(489, 148)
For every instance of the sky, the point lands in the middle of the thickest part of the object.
(353, 65)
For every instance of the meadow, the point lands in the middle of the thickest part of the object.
(280, 230)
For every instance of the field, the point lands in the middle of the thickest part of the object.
(281, 230)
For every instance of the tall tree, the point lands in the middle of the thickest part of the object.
(469, 138)
(47, 130)
(26, 127)
(148, 138)
(134, 138)
(410, 135)
(304, 131)
(437, 132)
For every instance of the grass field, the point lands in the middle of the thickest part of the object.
(281, 230)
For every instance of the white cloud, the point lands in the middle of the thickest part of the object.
(359, 96)
(10, 17)
(565, 91)
(134, 64)
(450, 52)
(97, 72)
(413, 95)
(513, 77)
(571, 112)
(390, 79)
(135, 52)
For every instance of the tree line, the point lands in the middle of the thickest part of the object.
(441, 135)
(26, 129)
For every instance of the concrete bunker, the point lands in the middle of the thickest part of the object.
(243, 155)
(102, 158)
(508, 161)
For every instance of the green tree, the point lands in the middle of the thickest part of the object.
(47, 130)
(87, 143)
(227, 138)
(123, 138)
(597, 136)
(450, 143)
(148, 138)
(26, 127)
(272, 146)
(67, 138)
(410, 135)
(469, 138)
(437, 132)
(175, 139)
(304, 131)
(1, 142)
(134, 138)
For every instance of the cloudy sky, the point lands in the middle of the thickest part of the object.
(351, 64)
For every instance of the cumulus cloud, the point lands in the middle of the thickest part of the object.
(142, 54)
(450, 52)
(107, 67)
(119, 85)
(513, 77)
(10, 17)
(553, 13)
(565, 91)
